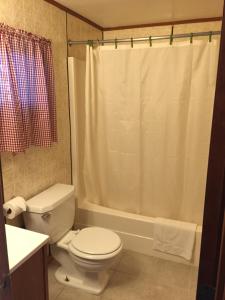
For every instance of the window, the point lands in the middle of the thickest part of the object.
(27, 95)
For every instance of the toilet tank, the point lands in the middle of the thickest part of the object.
(51, 212)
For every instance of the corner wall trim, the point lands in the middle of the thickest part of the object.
(75, 14)
(189, 21)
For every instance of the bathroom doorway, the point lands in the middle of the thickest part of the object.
(5, 290)
(215, 187)
(220, 288)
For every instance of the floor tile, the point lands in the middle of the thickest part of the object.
(136, 263)
(69, 293)
(54, 286)
(136, 277)
(126, 286)
(117, 261)
(174, 274)
(161, 292)
(194, 277)
(192, 294)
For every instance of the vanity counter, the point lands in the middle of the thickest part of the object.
(22, 244)
(27, 254)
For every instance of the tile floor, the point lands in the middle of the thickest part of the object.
(136, 277)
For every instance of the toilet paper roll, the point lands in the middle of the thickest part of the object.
(14, 207)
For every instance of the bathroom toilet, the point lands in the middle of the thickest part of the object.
(85, 255)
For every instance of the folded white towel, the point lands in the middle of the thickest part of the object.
(174, 237)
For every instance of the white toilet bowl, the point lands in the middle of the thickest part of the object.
(86, 257)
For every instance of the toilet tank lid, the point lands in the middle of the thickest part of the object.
(50, 198)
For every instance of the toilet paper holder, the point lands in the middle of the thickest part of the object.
(9, 211)
(14, 207)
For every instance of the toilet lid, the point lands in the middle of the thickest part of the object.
(96, 241)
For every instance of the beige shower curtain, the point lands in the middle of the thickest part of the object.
(148, 113)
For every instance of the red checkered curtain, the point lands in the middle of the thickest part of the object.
(27, 94)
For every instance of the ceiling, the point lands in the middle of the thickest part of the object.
(113, 13)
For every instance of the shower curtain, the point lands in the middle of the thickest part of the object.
(148, 115)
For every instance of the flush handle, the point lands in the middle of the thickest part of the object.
(46, 216)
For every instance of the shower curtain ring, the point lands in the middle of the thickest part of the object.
(210, 36)
(116, 44)
(171, 35)
(90, 43)
(191, 37)
(150, 41)
(171, 39)
(132, 42)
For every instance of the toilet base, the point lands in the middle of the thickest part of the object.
(93, 283)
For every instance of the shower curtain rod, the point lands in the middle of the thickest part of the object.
(150, 38)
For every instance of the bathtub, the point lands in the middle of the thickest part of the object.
(136, 231)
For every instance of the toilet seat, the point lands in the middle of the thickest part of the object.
(95, 243)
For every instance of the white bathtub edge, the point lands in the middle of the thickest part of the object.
(135, 231)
